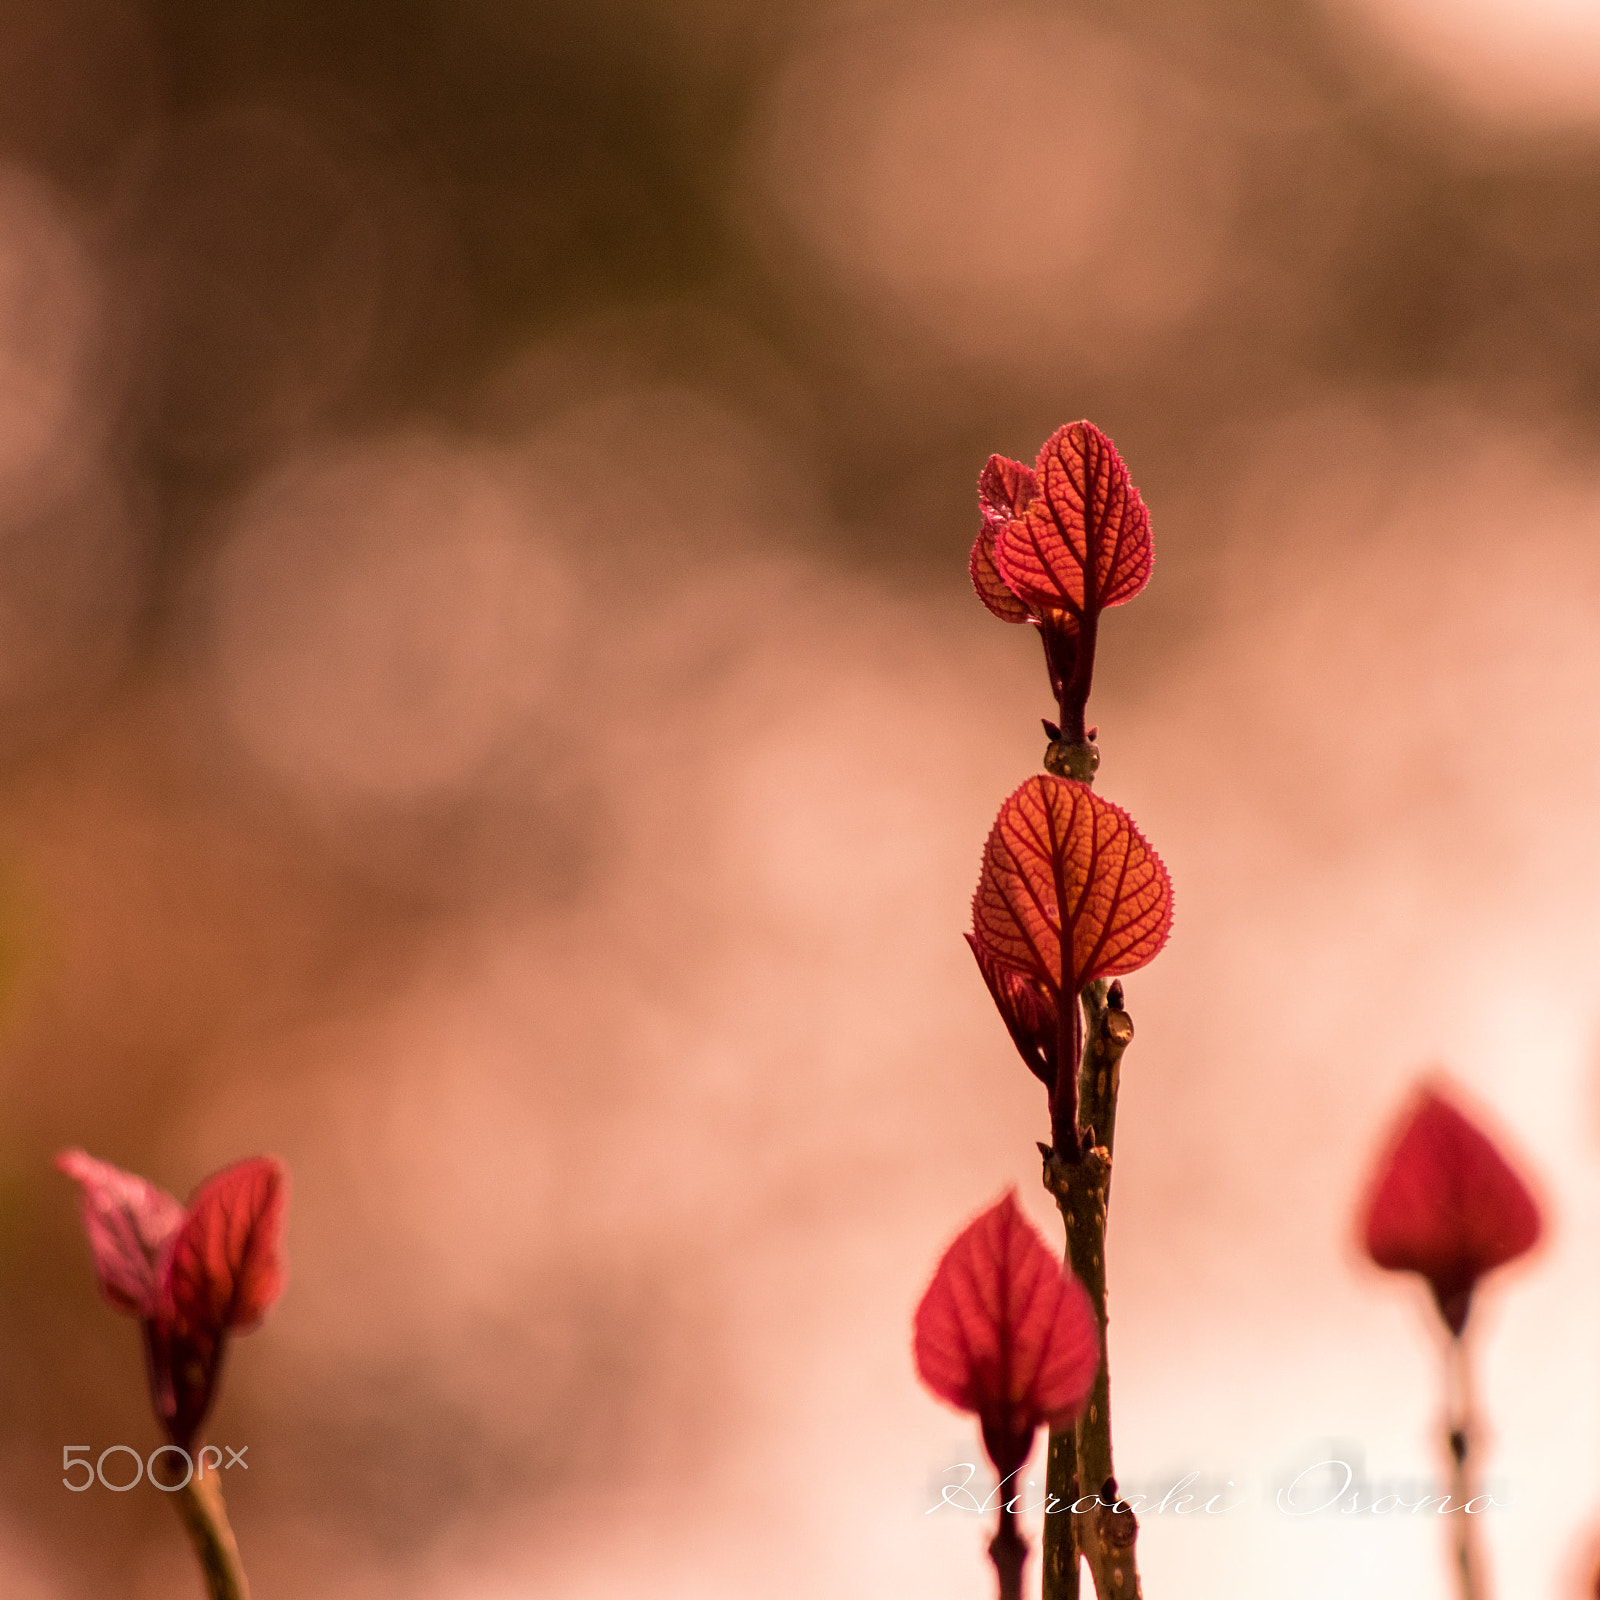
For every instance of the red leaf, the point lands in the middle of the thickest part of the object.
(1067, 872)
(1004, 490)
(990, 585)
(130, 1223)
(228, 1261)
(1006, 1332)
(1030, 1015)
(1083, 541)
(1444, 1203)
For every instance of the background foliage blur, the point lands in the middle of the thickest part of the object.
(491, 711)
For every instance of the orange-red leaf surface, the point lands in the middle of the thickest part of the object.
(1005, 488)
(1445, 1204)
(228, 1260)
(1067, 874)
(129, 1223)
(1083, 540)
(989, 584)
(1006, 1332)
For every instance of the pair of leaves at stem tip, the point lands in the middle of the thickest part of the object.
(1066, 537)
(191, 1274)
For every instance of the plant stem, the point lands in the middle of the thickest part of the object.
(1075, 691)
(1460, 1428)
(1060, 1547)
(1065, 1137)
(1108, 1034)
(1107, 1532)
(205, 1517)
(1008, 1550)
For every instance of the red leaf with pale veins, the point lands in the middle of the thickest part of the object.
(130, 1223)
(228, 1262)
(1006, 1332)
(1004, 489)
(1083, 542)
(1065, 872)
(1445, 1204)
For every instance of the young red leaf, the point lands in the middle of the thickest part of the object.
(1004, 491)
(190, 1276)
(130, 1223)
(1005, 1332)
(1030, 1015)
(1445, 1204)
(1083, 541)
(1069, 891)
(228, 1261)
(990, 585)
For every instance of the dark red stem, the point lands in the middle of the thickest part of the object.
(1008, 1550)
(1074, 701)
(1064, 1134)
(1461, 1427)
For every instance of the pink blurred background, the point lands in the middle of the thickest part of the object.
(491, 710)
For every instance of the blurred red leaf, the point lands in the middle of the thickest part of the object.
(1082, 542)
(1445, 1204)
(1004, 490)
(228, 1263)
(129, 1223)
(190, 1276)
(1065, 872)
(1005, 1332)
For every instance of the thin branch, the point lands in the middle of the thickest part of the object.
(1461, 1427)
(1060, 1549)
(1106, 1530)
(205, 1517)
(1008, 1550)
